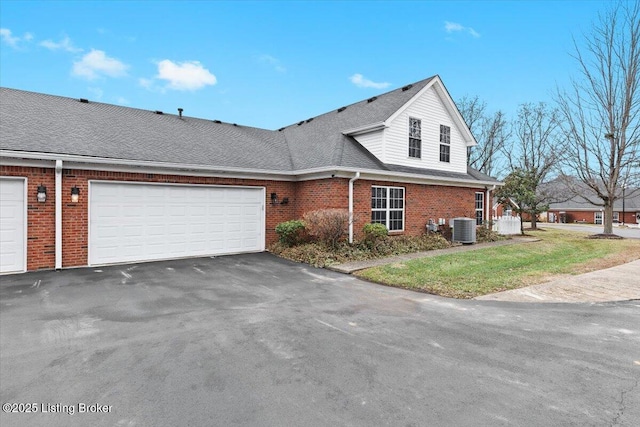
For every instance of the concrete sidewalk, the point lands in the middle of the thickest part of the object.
(350, 267)
(620, 283)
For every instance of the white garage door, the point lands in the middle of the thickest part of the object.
(142, 222)
(12, 225)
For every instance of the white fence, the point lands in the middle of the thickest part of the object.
(506, 224)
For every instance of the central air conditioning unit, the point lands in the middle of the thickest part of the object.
(464, 230)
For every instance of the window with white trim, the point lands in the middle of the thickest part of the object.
(387, 207)
(445, 144)
(479, 208)
(415, 138)
(597, 218)
(616, 217)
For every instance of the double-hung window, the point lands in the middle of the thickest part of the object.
(415, 138)
(445, 143)
(479, 208)
(387, 207)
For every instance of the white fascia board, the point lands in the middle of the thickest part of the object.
(449, 104)
(136, 166)
(365, 129)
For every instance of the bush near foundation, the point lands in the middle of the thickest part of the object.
(327, 226)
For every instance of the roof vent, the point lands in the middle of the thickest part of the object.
(308, 120)
(235, 124)
(180, 110)
(299, 123)
(372, 99)
(341, 109)
(217, 121)
(281, 129)
(406, 88)
(84, 101)
(159, 112)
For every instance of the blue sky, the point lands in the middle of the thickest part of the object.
(269, 64)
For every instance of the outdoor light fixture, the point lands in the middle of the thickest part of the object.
(75, 194)
(275, 201)
(42, 193)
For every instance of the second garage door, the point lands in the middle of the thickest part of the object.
(131, 222)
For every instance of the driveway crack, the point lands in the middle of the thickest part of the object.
(621, 403)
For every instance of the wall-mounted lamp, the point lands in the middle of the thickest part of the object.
(75, 194)
(42, 193)
(275, 201)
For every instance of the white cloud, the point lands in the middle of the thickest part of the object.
(360, 81)
(145, 83)
(274, 62)
(451, 27)
(122, 100)
(64, 44)
(97, 64)
(188, 75)
(7, 36)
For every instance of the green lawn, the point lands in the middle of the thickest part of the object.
(473, 273)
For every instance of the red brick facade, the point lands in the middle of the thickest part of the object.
(588, 217)
(422, 202)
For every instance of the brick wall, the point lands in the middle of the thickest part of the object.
(422, 202)
(41, 225)
(589, 216)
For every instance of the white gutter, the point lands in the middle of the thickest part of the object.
(297, 175)
(488, 210)
(351, 181)
(58, 214)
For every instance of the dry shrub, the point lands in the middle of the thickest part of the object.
(328, 226)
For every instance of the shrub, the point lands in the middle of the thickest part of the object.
(290, 232)
(328, 226)
(374, 234)
(487, 235)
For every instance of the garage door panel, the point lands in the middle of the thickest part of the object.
(12, 225)
(170, 221)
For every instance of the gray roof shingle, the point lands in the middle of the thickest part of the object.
(41, 123)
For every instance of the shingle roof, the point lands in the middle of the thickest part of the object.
(40, 123)
(51, 124)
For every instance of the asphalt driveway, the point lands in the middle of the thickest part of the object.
(256, 340)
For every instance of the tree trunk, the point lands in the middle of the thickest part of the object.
(608, 218)
(534, 222)
(522, 223)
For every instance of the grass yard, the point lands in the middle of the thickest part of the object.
(484, 271)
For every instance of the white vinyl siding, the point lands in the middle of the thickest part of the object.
(430, 109)
(13, 223)
(131, 222)
(372, 141)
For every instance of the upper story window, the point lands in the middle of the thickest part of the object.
(415, 138)
(445, 143)
(387, 207)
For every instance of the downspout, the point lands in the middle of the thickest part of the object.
(489, 205)
(351, 181)
(58, 214)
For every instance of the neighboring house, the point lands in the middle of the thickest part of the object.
(507, 208)
(577, 209)
(86, 183)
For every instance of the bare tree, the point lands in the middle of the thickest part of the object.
(491, 133)
(535, 153)
(601, 110)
